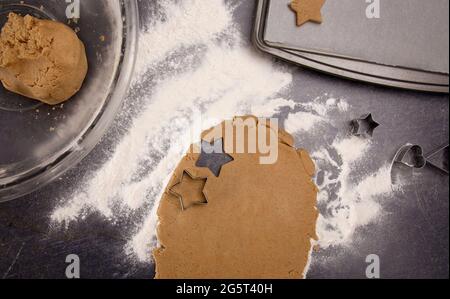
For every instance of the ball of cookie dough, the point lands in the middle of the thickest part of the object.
(41, 59)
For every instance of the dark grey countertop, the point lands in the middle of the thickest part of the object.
(413, 242)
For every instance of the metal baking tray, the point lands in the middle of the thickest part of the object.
(275, 33)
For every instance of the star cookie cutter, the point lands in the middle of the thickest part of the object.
(364, 126)
(180, 197)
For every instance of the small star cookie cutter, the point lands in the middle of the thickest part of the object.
(180, 181)
(364, 126)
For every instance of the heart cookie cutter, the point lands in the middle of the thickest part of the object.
(413, 157)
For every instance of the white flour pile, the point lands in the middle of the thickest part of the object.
(350, 195)
(196, 59)
(349, 205)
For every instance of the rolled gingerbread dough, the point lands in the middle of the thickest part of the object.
(259, 221)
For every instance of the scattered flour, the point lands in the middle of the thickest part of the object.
(189, 23)
(229, 79)
(325, 104)
(303, 121)
(349, 197)
(273, 107)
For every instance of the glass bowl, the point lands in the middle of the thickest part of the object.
(38, 143)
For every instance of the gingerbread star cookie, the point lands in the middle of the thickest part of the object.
(307, 10)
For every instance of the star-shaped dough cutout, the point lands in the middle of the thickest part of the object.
(190, 190)
(307, 10)
(213, 156)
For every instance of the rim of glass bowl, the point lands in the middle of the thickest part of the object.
(42, 175)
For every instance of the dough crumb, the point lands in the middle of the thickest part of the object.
(41, 59)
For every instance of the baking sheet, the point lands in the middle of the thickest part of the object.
(410, 33)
